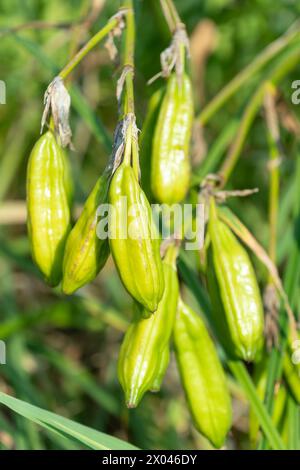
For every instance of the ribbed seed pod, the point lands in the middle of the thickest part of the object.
(48, 196)
(146, 140)
(85, 253)
(161, 371)
(202, 376)
(236, 301)
(146, 340)
(133, 240)
(170, 165)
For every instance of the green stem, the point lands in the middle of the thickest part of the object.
(291, 282)
(128, 59)
(111, 24)
(171, 255)
(174, 13)
(240, 372)
(247, 73)
(215, 153)
(278, 72)
(131, 146)
(170, 13)
(274, 159)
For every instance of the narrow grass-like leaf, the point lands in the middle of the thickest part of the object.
(81, 377)
(87, 436)
(215, 153)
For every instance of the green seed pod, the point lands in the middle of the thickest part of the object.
(170, 166)
(236, 302)
(161, 371)
(202, 376)
(48, 196)
(147, 339)
(68, 179)
(146, 139)
(85, 253)
(134, 242)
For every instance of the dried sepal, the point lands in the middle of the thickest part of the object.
(171, 57)
(57, 101)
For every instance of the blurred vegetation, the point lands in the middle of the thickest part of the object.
(62, 352)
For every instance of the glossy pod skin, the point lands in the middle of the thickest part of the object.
(202, 376)
(170, 165)
(146, 140)
(48, 199)
(161, 371)
(236, 301)
(146, 341)
(85, 253)
(134, 243)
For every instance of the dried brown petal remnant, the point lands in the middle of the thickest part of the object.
(57, 101)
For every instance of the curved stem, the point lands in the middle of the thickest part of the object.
(247, 73)
(111, 24)
(174, 13)
(273, 136)
(279, 71)
(171, 15)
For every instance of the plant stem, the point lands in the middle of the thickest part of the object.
(288, 62)
(131, 144)
(128, 60)
(271, 434)
(167, 15)
(291, 282)
(171, 15)
(247, 73)
(273, 136)
(110, 25)
(174, 13)
(215, 153)
(274, 160)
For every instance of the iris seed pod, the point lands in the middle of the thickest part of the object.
(236, 301)
(48, 197)
(133, 240)
(85, 253)
(170, 165)
(202, 376)
(146, 140)
(161, 371)
(146, 340)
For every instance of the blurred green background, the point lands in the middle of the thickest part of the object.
(62, 352)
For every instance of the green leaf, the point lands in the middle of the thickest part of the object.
(215, 153)
(87, 436)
